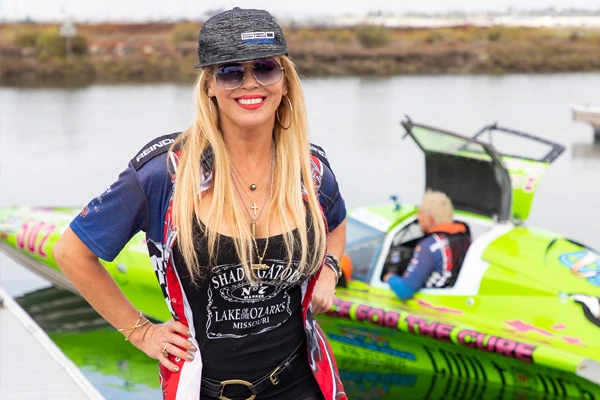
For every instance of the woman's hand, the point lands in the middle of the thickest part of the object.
(165, 342)
(324, 292)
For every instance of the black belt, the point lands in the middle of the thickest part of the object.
(215, 388)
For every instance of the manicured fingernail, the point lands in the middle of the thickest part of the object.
(188, 333)
(190, 357)
(193, 348)
(176, 369)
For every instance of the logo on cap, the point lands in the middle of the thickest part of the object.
(258, 37)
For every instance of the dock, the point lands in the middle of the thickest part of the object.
(589, 114)
(31, 365)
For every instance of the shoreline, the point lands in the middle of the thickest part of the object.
(34, 56)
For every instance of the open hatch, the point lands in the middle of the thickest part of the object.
(494, 174)
(526, 158)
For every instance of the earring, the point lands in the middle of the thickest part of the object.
(289, 102)
(285, 128)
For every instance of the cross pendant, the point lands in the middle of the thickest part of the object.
(254, 208)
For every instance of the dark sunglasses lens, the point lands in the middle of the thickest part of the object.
(267, 72)
(230, 76)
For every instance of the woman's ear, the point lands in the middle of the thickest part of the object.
(209, 87)
(285, 86)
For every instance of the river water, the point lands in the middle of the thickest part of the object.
(62, 147)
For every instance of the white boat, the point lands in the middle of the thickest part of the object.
(589, 114)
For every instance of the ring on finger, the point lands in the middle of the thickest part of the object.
(164, 350)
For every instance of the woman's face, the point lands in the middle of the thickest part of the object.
(252, 104)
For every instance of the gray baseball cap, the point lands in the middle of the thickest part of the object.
(239, 35)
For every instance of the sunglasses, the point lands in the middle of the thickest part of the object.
(266, 71)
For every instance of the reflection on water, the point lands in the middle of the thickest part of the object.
(121, 371)
(586, 151)
(114, 366)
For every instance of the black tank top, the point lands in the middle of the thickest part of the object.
(245, 331)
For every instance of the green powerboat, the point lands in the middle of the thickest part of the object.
(524, 312)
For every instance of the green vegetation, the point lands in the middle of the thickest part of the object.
(35, 54)
(25, 37)
(371, 36)
(185, 32)
(47, 42)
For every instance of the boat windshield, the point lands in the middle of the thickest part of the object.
(512, 143)
(363, 246)
(437, 141)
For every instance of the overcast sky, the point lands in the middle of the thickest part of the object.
(193, 9)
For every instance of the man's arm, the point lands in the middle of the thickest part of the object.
(417, 272)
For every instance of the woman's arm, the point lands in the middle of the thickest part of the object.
(324, 291)
(83, 268)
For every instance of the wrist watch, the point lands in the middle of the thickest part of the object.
(333, 262)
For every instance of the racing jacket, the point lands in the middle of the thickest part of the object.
(436, 260)
(141, 199)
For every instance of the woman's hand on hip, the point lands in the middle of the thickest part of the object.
(324, 292)
(165, 342)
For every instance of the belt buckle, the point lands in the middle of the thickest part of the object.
(234, 382)
(274, 379)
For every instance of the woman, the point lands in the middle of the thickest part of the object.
(240, 215)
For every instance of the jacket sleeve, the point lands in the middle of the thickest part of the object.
(110, 220)
(331, 199)
(417, 272)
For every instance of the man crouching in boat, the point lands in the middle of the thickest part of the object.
(439, 254)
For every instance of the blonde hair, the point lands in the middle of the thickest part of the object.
(438, 205)
(292, 169)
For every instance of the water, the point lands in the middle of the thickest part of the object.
(63, 147)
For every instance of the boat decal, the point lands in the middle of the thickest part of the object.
(378, 385)
(524, 174)
(573, 340)
(370, 340)
(434, 329)
(33, 236)
(9, 225)
(524, 327)
(584, 263)
(521, 326)
(444, 310)
(448, 362)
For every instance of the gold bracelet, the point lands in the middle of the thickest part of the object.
(137, 325)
